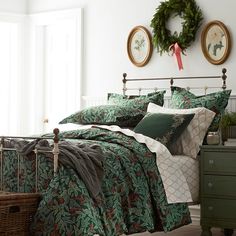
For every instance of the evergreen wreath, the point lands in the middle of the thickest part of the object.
(186, 10)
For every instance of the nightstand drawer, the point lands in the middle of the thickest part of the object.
(219, 185)
(218, 208)
(218, 188)
(218, 162)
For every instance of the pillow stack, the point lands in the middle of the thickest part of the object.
(181, 128)
(121, 110)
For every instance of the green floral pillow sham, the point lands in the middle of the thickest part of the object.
(121, 111)
(139, 102)
(123, 116)
(165, 128)
(216, 102)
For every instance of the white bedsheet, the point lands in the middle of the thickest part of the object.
(190, 169)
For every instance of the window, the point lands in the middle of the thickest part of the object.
(40, 70)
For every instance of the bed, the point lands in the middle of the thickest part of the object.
(116, 174)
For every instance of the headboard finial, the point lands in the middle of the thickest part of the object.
(124, 82)
(56, 135)
(171, 82)
(124, 77)
(224, 76)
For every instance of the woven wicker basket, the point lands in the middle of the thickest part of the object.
(16, 212)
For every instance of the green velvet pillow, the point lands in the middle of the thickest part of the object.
(106, 115)
(140, 102)
(165, 128)
(216, 102)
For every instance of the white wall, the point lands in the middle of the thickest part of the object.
(13, 6)
(107, 24)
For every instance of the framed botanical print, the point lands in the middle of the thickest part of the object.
(139, 46)
(215, 42)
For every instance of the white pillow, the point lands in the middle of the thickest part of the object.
(192, 137)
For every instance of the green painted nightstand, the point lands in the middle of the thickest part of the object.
(218, 188)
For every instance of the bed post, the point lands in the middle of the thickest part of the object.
(171, 83)
(224, 76)
(124, 83)
(55, 150)
(1, 160)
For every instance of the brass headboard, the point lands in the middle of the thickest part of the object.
(171, 79)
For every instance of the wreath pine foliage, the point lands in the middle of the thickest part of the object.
(186, 10)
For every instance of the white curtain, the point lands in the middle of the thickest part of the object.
(11, 61)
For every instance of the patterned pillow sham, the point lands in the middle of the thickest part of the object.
(192, 137)
(106, 115)
(140, 102)
(165, 128)
(217, 102)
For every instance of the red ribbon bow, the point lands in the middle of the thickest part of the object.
(176, 49)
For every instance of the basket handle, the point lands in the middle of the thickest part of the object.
(14, 209)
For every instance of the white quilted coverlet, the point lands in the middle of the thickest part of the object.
(173, 178)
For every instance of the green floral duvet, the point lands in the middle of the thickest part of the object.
(132, 198)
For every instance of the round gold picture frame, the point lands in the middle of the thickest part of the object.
(215, 42)
(139, 46)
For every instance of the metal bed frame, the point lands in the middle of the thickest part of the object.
(171, 79)
(55, 149)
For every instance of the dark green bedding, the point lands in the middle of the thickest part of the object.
(132, 198)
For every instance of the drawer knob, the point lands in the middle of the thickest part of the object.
(210, 208)
(211, 162)
(210, 185)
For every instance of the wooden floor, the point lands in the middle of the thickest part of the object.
(190, 230)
